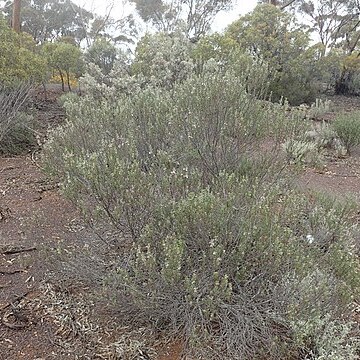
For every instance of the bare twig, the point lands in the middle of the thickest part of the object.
(17, 299)
(18, 250)
(11, 272)
(287, 4)
(14, 325)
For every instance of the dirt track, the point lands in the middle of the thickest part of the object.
(33, 216)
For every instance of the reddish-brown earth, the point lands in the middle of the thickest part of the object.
(340, 178)
(34, 215)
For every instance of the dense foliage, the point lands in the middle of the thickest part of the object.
(103, 54)
(215, 246)
(183, 151)
(194, 17)
(19, 59)
(63, 58)
(16, 134)
(51, 19)
(347, 127)
(273, 36)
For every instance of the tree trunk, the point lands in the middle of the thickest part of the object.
(62, 80)
(68, 80)
(79, 88)
(16, 19)
(45, 90)
(342, 84)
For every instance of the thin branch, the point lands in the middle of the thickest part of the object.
(18, 251)
(286, 5)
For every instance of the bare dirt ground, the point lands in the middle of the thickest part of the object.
(35, 217)
(340, 178)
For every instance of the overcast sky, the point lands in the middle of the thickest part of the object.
(222, 20)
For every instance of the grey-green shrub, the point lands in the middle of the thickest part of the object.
(15, 132)
(347, 128)
(219, 251)
(299, 152)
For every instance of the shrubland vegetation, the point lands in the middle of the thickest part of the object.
(214, 242)
(184, 151)
(19, 60)
(16, 134)
(347, 127)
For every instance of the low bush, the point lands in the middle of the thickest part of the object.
(15, 132)
(318, 108)
(215, 247)
(300, 152)
(347, 128)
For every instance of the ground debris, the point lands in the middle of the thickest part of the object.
(9, 249)
(15, 320)
(11, 272)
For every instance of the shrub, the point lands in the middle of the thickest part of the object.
(216, 275)
(163, 59)
(347, 128)
(215, 244)
(299, 152)
(15, 133)
(318, 108)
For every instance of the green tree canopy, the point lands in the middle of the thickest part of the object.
(103, 54)
(19, 60)
(64, 58)
(274, 37)
(337, 23)
(194, 16)
(52, 19)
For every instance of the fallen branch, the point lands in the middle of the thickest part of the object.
(11, 272)
(346, 176)
(17, 299)
(14, 325)
(18, 250)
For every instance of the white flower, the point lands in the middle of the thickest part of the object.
(310, 239)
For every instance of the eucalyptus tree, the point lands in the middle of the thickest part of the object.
(47, 20)
(64, 58)
(16, 16)
(194, 16)
(337, 24)
(282, 4)
(274, 37)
